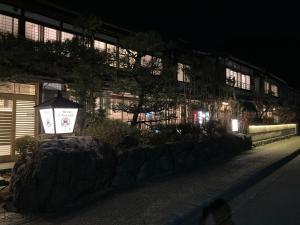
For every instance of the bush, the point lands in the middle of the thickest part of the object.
(114, 132)
(174, 133)
(213, 128)
(25, 146)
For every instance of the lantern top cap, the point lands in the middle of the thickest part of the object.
(58, 102)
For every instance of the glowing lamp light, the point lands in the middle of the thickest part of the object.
(58, 115)
(234, 125)
(225, 103)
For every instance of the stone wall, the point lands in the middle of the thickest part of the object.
(63, 171)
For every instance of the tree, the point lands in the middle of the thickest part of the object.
(145, 73)
(90, 25)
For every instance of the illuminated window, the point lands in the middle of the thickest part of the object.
(112, 50)
(66, 36)
(8, 25)
(126, 58)
(100, 45)
(182, 73)
(274, 90)
(32, 31)
(154, 63)
(247, 82)
(123, 58)
(116, 115)
(267, 87)
(25, 89)
(6, 87)
(49, 34)
(240, 80)
(146, 60)
(17, 88)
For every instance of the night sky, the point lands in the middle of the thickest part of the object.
(264, 34)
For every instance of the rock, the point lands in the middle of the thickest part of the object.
(61, 172)
(5, 194)
(129, 164)
(127, 142)
(3, 182)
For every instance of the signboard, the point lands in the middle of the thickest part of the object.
(47, 119)
(65, 120)
(234, 125)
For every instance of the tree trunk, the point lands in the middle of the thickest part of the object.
(137, 111)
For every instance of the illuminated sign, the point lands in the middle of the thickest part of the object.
(200, 117)
(58, 115)
(234, 125)
(65, 120)
(47, 119)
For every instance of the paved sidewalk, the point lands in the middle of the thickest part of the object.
(275, 200)
(160, 202)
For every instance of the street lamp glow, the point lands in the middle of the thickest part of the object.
(58, 115)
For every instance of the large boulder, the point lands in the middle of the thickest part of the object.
(62, 171)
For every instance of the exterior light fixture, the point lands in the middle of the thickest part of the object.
(58, 115)
(234, 125)
(225, 103)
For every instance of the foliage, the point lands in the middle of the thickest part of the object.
(113, 132)
(173, 133)
(25, 146)
(213, 128)
(90, 25)
(152, 86)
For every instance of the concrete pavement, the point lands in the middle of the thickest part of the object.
(275, 200)
(163, 201)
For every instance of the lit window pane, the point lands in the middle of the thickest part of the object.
(49, 34)
(32, 31)
(157, 66)
(247, 82)
(274, 90)
(146, 60)
(186, 73)
(241, 80)
(100, 45)
(266, 87)
(6, 105)
(123, 58)
(183, 73)
(180, 72)
(16, 26)
(66, 36)
(25, 89)
(112, 49)
(6, 87)
(8, 25)
(132, 57)
(236, 79)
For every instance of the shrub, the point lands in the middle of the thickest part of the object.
(25, 146)
(174, 133)
(114, 132)
(214, 127)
